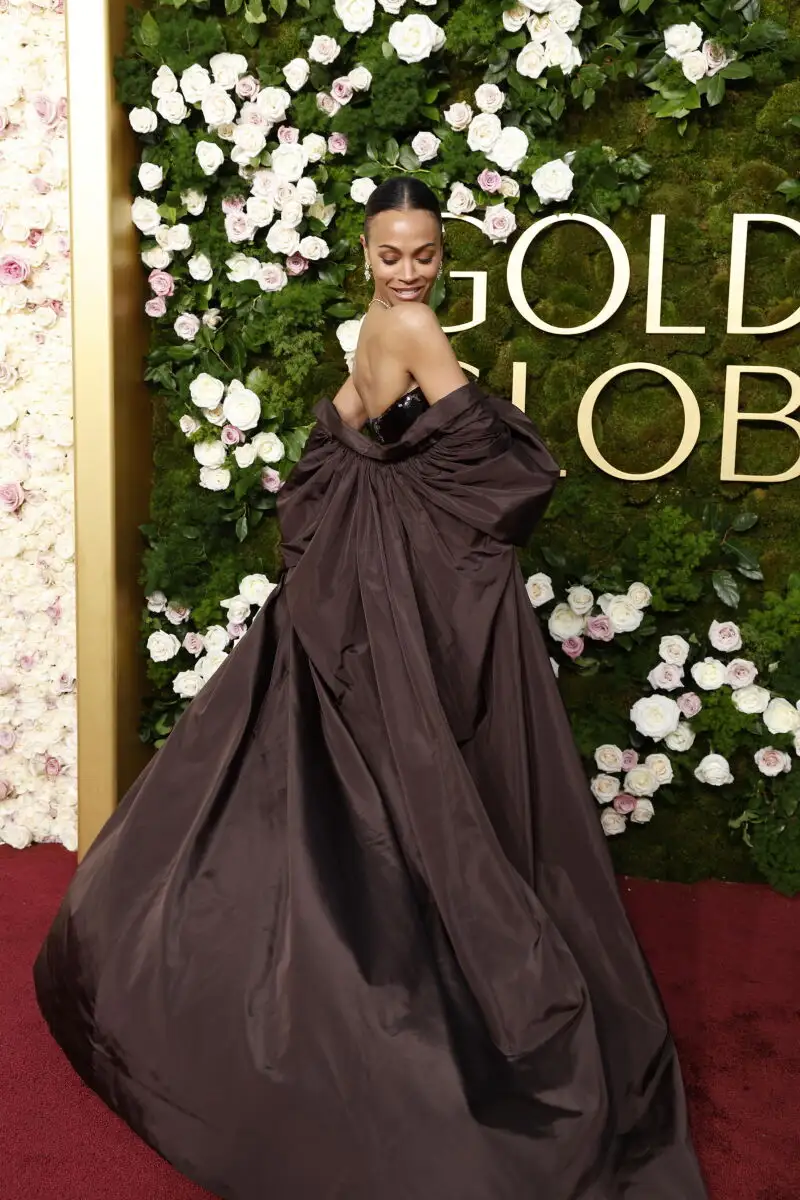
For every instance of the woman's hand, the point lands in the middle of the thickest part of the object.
(349, 405)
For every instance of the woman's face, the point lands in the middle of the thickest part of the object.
(404, 252)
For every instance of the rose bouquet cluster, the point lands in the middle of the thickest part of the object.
(37, 639)
(210, 648)
(236, 410)
(574, 620)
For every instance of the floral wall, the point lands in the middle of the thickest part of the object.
(37, 582)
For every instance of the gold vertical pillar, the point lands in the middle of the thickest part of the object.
(112, 417)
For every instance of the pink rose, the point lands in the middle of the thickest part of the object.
(12, 497)
(771, 761)
(623, 803)
(740, 672)
(54, 611)
(52, 766)
(26, 662)
(231, 436)
(327, 104)
(42, 186)
(271, 480)
(630, 758)
(66, 682)
(288, 135)
(342, 90)
(193, 642)
(489, 181)
(8, 375)
(62, 108)
(247, 87)
(573, 646)
(233, 204)
(7, 739)
(296, 264)
(3, 121)
(13, 270)
(689, 703)
(34, 237)
(337, 143)
(6, 789)
(235, 629)
(600, 629)
(156, 307)
(45, 109)
(162, 283)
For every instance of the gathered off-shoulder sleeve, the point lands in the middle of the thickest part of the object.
(472, 455)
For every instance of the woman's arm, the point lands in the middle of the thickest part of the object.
(419, 346)
(349, 405)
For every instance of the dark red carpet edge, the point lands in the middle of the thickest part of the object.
(726, 956)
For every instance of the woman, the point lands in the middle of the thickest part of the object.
(354, 931)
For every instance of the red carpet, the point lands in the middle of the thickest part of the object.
(727, 958)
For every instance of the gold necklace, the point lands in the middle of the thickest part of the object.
(379, 301)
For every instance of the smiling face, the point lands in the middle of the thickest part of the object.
(404, 252)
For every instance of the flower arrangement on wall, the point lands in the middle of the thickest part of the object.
(37, 586)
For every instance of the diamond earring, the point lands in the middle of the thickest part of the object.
(439, 272)
(366, 270)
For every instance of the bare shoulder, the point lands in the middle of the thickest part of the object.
(413, 319)
(422, 349)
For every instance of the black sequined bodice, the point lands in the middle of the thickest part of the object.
(395, 420)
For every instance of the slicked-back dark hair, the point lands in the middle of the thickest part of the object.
(402, 192)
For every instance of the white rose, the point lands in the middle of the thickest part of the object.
(208, 664)
(539, 588)
(694, 65)
(289, 160)
(245, 455)
(460, 200)
(187, 326)
(172, 108)
(255, 588)
(623, 615)
(425, 145)
(509, 149)
(218, 107)
(360, 78)
(324, 49)
(145, 215)
(680, 40)
(157, 259)
(713, 769)
(273, 102)
(552, 182)
(725, 635)
(143, 120)
(604, 788)
(639, 595)
(667, 676)
(206, 391)
(306, 191)
(200, 268)
(227, 68)
(682, 739)
(242, 267)
(531, 60)
(655, 716)
(661, 767)
(564, 623)
(216, 638)
(515, 17)
(555, 667)
(580, 599)
(641, 781)
(242, 408)
(156, 602)
(178, 237)
(771, 761)
(238, 609)
(489, 98)
(740, 672)
(356, 15)
(162, 646)
(313, 248)
(195, 82)
(316, 147)
(215, 479)
(362, 189)
(484, 130)
(643, 812)
(347, 334)
(565, 14)
(239, 227)
(210, 156)
(296, 73)
(561, 51)
(612, 822)
(608, 758)
(458, 116)
(780, 716)
(165, 82)
(292, 213)
(674, 649)
(151, 176)
(260, 210)
(210, 454)
(709, 674)
(716, 56)
(498, 222)
(282, 239)
(186, 684)
(249, 141)
(272, 277)
(750, 699)
(415, 37)
(188, 424)
(509, 188)
(269, 447)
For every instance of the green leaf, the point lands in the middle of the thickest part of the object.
(343, 308)
(715, 90)
(254, 12)
(392, 151)
(408, 159)
(726, 588)
(294, 441)
(279, 6)
(149, 31)
(626, 6)
(743, 521)
(241, 527)
(233, 6)
(736, 70)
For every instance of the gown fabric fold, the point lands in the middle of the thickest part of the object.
(354, 933)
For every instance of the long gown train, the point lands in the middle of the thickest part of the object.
(354, 932)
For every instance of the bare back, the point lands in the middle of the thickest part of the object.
(399, 349)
